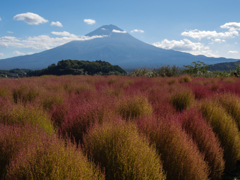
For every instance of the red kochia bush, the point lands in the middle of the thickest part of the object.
(80, 114)
(207, 142)
(180, 156)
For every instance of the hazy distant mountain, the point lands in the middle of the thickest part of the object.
(117, 48)
(224, 66)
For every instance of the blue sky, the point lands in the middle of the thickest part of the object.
(207, 27)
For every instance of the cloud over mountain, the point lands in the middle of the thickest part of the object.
(118, 31)
(137, 30)
(43, 41)
(30, 18)
(185, 45)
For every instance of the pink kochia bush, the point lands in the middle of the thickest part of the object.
(122, 152)
(79, 116)
(208, 144)
(180, 156)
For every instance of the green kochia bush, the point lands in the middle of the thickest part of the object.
(49, 157)
(18, 114)
(226, 129)
(182, 99)
(122, 152)
(25, 93)
(134, 107)
(180, 156)
(232, 105)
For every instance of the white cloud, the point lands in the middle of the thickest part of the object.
(89, 21)
(219, 40)
(235, 43)
(186, 45)
(7, 41)
(118, 31)
(103, 29)
(0, 19)
(57, 23)
(9, 32)
(64, 33)
(231, 26)
(137, 30)
(196, 34)
(1, 54)
(18, 53)
(30, 18)
(232, 52)
(43, 41)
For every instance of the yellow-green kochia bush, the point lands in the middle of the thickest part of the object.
(122, 152)
(231, 104)
(182, 99)
(134, 107)
(51, 158)
(226, 130)
(18, 114)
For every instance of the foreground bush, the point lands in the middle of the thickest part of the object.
(207, 142)
(12, 140)
(51, 158)
(180, 156)
(122, 152)
(226, 129)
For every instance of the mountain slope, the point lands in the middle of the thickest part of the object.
(116, 48)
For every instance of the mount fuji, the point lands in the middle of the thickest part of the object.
(115, 46)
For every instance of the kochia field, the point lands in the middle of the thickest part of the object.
(119, 127)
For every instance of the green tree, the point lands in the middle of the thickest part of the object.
(196, 67)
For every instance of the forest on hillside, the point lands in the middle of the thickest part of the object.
(75, 67)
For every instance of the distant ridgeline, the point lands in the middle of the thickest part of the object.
(76, 67)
